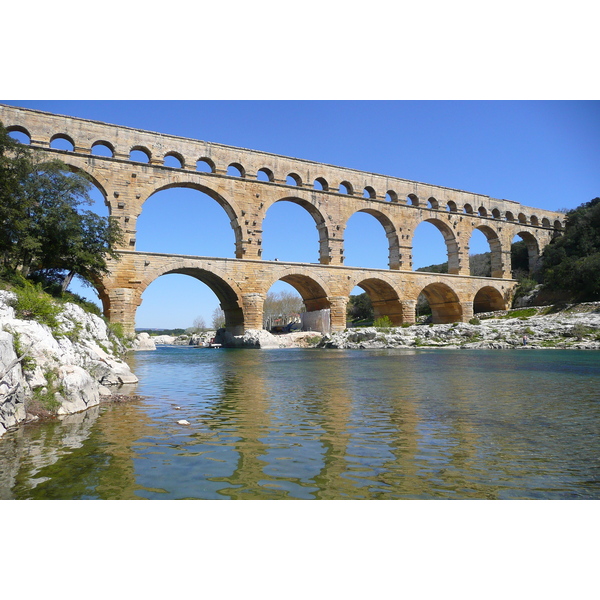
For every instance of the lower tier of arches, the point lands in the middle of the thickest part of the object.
(242, 285)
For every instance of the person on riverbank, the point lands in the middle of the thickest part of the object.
(524, 340)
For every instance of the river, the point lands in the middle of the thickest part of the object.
(326, 424)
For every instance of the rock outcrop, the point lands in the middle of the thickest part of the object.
(62, 370)
(143, 341)
(259, 338)
(562, 330)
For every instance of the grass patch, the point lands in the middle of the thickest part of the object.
(33, 303)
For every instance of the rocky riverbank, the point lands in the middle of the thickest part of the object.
(56, 370)
(570, 327)
(573, 327)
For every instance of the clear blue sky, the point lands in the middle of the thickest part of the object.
(544, 154)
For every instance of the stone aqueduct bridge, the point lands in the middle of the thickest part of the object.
(330, 194)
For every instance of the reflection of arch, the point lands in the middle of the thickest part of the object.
(233, 218)
(444, 303)
(313, 293)
(226, 292)
(391, 234)
(313, 211)
(384, 299)
(495, 249)
(451, 243)
(533, 249)
(488, 299)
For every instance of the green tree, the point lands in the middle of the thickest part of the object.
(44, 230)
(14, 205)
(571, 262)
(360, 308)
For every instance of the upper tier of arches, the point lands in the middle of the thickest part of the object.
(171, 152)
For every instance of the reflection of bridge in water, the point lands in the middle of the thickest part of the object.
(246, 183)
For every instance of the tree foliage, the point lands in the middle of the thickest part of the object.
(359, 307)
(45, 231)
(571, 262)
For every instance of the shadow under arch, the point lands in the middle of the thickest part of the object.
(325, 257)
(491, 235)
(488, 299)
(384, 299)
(533, 249)
(394, 258)
(223, 203)
(229, 298)
(444, 303)
(449, 239)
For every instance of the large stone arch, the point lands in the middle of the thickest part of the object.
(228, 206)
(452, 246)
(227, 291)
(488, 299)
(444, 303)
(497, 258)
(533, 248)
(311, 288)
(320, 220)
(394, 258)
(384, 298)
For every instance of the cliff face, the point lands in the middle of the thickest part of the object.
(62, 370)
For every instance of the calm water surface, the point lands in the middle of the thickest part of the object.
(309, 424)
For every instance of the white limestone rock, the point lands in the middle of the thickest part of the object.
(12, 385)
(77, 359)
(164, 340)
(143, 341)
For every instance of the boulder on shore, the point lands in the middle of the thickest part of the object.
(61, 370)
